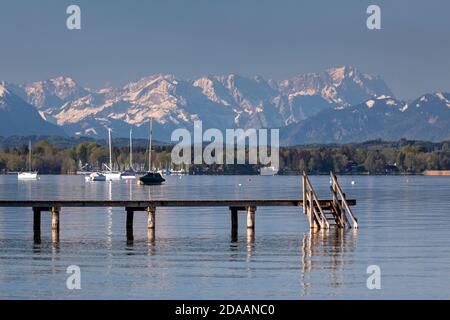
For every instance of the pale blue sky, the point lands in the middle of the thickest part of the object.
(123, 40)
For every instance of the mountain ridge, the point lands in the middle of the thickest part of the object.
(220, 101)
(223, 101)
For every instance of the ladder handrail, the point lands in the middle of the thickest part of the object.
(340, 209)
(322, 218)
(344, 200)
(312, 209)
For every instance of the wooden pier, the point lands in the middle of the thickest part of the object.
(321, 213)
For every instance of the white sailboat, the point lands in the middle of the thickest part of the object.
(130, 174)
(110, 174)
(28, 175)
(95, 176)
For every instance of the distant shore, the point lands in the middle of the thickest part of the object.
(377, 157)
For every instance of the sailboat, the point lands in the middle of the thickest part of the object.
(130, 173)
(28, 175)
(95, 176)
(110, 174)
(151, 177)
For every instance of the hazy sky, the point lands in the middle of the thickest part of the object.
(123, 40)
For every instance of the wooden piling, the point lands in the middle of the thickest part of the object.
(150, 235)
(234, 218)
(251, 217)
(151, 217)
(55, 236)
(55, 219)
(36, 220)
(37, 225)
(234, 224)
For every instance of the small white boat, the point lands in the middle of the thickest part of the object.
(268, 171)
(111, 175)
(28, 175)
(129, 174)
(95, 176)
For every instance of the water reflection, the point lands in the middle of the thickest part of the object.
(151, 242)
(326, 249)
(250, 242)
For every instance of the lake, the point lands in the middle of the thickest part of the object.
(404, 230)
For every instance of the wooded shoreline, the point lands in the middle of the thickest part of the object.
(372, 157)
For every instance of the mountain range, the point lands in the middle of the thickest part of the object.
(334, 106)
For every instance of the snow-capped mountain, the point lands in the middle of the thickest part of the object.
(426, 118)
(17, 117)
(49, 95)
(341, 104)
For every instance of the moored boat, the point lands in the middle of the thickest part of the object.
(129, 174)
(95, 176)
(111, 175)
(151, 177)
(28, 175)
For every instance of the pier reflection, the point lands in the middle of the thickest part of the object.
(151, 242)
(250, 242)
(326, 250)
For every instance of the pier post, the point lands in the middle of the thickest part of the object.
(251, 217)
(234, 218)
(234, 224)
(150, 236)
(129, 224)
(55, 219)
(37, 225)
(151, 217)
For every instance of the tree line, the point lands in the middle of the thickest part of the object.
(374, 157)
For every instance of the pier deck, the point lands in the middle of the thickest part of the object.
(158, 203)
(321, 213)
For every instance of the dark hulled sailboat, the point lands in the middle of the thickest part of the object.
(151, 177)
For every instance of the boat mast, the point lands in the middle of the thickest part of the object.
(131, 149)
(29, 155)
(110, 150)
(150, 148)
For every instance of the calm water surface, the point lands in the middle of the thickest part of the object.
(404, 229)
